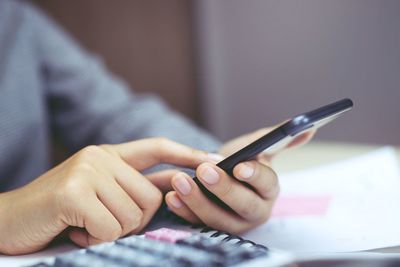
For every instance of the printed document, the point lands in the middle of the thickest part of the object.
(346, 206)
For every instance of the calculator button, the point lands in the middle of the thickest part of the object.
(83, 260)
(168, 235)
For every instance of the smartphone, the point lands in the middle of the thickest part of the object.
(280, 137)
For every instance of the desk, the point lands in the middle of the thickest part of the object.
(311, 155)
(319, 153)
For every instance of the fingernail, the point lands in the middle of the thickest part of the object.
(246, 171)
(182, 185)
(175, 201)
(209, 175)
(215, 157)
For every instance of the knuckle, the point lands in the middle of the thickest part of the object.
(91, 150)
(112, 234)
(155, 200)
(88, 153)
(161, 140)
(71, 188)
(68, 195)
(134, 220)
(227, 189)
(162, 143)
(197, 153)
(112, 231)
(137, 220)
(250, 209)
(81, 168)
(106, 148)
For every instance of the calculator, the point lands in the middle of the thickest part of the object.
(167, 247)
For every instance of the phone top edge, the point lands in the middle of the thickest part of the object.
(252, 149)
(306, 120)
(297, 124)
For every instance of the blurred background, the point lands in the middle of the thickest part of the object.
(234, 66)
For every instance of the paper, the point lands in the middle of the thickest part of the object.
(357, 207)
(301, 205)
(346, 206)
(28, 260)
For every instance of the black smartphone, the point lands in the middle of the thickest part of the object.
(279, 137)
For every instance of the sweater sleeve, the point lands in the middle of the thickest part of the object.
(89, 105)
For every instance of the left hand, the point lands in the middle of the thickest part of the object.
(250, 206)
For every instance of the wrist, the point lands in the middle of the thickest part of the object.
(28, 220)
(4, 222)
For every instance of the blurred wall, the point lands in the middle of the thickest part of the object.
(148, 43)
(256, 62)
(262, 61)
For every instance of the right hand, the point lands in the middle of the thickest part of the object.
(99, 191)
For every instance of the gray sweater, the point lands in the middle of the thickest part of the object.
(49, 85)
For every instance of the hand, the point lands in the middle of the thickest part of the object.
(251, 205)
(99, 191)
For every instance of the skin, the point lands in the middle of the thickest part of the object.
(251, 206)
(100, 194)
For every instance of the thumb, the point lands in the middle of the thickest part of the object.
(302, 139)
(298, 141)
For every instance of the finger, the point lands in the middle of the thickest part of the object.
(144, 193)
(96, 218)
(299, 140)
(262, 178)
(179, 208)
(242, 141)
(265, 159)
(141, 190)
(302, 139)
(162, 179)
(82, 238)
(262, 131)
(236, 195)
(207, 211)
(120, 204)
(149, 152)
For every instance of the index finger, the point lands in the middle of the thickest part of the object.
(149, 152)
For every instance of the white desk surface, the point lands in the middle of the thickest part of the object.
(318, 153)
(311, 155)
